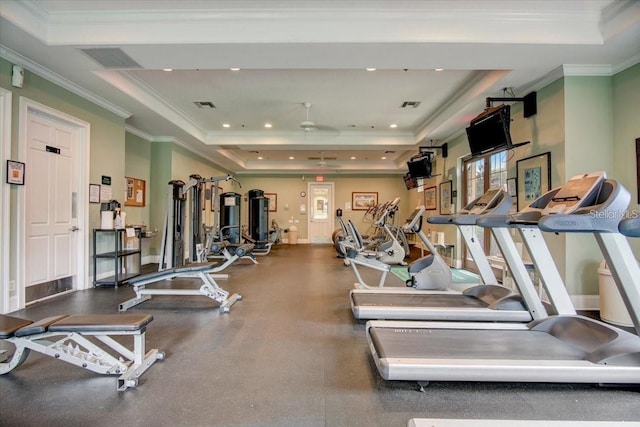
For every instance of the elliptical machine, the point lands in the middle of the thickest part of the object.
(429, 272)
(391, 250)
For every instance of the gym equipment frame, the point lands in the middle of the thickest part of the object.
(67, 338)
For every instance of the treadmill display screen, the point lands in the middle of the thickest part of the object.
(571, 196)
(485, 201)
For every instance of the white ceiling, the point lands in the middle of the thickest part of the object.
(291, 52)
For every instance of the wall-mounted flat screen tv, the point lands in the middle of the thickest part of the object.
(420, 166)
(490, 130)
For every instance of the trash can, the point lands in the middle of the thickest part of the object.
(293, 235)
(612, 308)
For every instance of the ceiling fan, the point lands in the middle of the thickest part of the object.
(309, 126)
(321, 162)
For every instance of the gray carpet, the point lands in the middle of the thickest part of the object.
(288, 354)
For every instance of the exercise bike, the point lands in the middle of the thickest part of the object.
(429, 272)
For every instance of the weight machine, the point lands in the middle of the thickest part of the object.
(173, 236)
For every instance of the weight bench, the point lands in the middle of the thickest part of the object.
(204, 271)
(243, 251)
(66, 338)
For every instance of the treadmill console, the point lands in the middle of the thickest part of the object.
(486, 201)
(412, 224)
(572, 195)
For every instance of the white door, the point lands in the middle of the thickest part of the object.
(50, 193)
(321, 212)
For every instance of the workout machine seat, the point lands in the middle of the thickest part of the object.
(209, 288)
(65, 337)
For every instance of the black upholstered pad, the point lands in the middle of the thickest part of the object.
(196, 266)
(171, 272)
(218, 246)
(242, 250)
(102, 323)
(10, 324)
(39, 326)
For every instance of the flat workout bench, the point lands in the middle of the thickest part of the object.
(209, 287)
(65, 337)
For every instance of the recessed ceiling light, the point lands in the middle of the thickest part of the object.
(393, 126)
(234, 69)
(167, 69)
(370, 69)
(260, 157)
(438, 69)
(353, 157)
(226, 125)
(291, 158)
(383, 158)
(268, 125)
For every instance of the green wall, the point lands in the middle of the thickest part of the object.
(626, 129)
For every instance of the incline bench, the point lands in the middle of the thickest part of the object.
(66, 338)
(209, 287)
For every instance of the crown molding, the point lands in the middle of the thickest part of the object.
(64, 83)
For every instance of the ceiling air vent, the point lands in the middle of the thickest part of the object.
(204, 104)
(410, 104)
(111, 58)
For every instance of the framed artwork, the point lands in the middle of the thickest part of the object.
(446, 198)
(362, 201)
(15, 172)
(638, 167)
(533, 179)
(213, 196)
(273, 201)
(94, 193)
(430, 198)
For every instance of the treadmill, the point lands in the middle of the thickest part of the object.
(560, 348)
(485, 302)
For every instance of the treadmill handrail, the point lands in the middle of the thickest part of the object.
(630, 227)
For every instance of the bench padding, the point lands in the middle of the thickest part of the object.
(39, 327)
(102, 323)
(9, 325)
(171, 272)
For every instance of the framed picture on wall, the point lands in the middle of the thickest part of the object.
(15, 172)
(533, 178)
(361, 201)
(430, 198)
(446, 199)
(213, 196)
(273, 201)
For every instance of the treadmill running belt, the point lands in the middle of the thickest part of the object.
(476, 344)
(413, 300)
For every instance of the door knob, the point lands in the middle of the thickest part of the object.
(74, 228)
